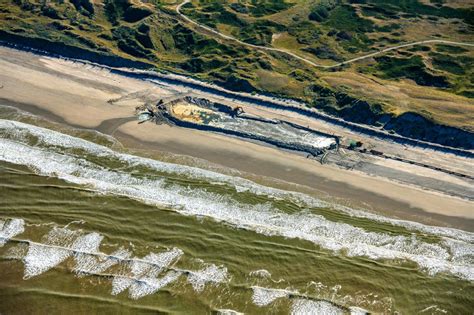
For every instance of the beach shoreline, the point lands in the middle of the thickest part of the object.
(81, 98)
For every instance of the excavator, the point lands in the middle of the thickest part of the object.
(146, 115)
(236, 111)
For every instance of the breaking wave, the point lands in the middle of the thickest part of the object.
(302, 307)
(52, 154)
(265, 296)
(9, 229)
(141, 276)
(302, 304)
(146, 275)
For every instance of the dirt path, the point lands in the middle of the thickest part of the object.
(211, 30)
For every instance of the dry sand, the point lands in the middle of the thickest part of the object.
(81, 96)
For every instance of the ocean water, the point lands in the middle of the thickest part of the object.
(90, 227)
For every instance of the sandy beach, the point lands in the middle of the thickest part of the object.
(88, 97)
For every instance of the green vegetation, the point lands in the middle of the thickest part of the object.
(83, 6)
(451, 49)
(452, 72)
(344, 18)
(419, 48)
(459, 69)
(324, 52)
(320, 12)
(259, 8)
(133, 42)
(136, 32)
(212, 14)
(260, 32)
(342, 21)
(410, 68)
(448, 63)
(413, 8)
(123, 10)
(305, 32)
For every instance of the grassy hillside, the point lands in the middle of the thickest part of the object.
(335, 30)
(435, 81)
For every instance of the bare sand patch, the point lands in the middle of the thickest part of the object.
(77, 93)
(189, 112)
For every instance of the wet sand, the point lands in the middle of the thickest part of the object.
(81, 97)
(355, 188)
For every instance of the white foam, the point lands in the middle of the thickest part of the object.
(9, 229)
(433, 309)
(87, 261)
(121, 283)
(307, 307)
(303, 304)
(358, 311)
(228, 312)
(210, 274)
(43, 256)
(149, 285)
(146, 273)
(141, 278)
(265, 296)
(20, 131)
(52, 138)
(262, 218)
(262, 273)
(46, 137)
(461, 252)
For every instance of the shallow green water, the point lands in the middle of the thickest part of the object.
(238, 245)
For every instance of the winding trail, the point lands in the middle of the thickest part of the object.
(211, 30)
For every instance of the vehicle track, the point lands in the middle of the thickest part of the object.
(213, 31)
